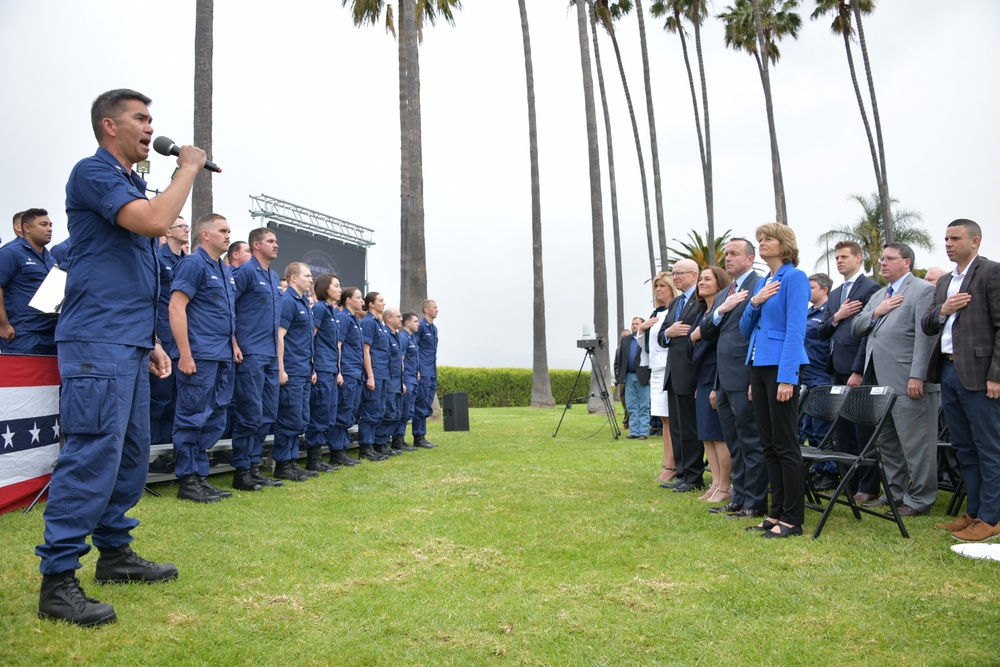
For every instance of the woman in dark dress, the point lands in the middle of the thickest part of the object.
(712, 281)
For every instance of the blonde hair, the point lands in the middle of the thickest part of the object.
(665, 278)
(785, 236)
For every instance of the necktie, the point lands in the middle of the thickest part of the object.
(888, 292)
(680, 307)
(732, 289)
(847, 292)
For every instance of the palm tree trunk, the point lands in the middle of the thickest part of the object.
(541, 386)
(201, 196)
(883, 185)
(404, 164)
(414, 287)
(601, 365)
(657, 187)
(861, 106)
(779, 187)
(707, 159)
(642, 162)
(615, 230)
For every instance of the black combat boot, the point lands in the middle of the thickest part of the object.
(399, 443)
(62, 599)
(122, 565)
(257, 478)
(286, 470)
(214, 490)
(422, 442)
(367, 452)
(315, 462)
(242, 481)
(191, 489)
(341, 457)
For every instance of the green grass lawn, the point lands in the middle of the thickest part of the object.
(505, 546)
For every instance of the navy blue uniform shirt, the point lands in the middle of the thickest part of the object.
(376, 335)
(297, 320)
(210, 313)
(60, 253)
(411, 357)
(258, 308)
(395, 379)
(427, 342)
(113, 282)
(325, 353)
(814, 374)
(168, 261)
(22, 270)
(352, 351)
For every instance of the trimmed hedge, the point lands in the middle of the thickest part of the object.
(505, 387)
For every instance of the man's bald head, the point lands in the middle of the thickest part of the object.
(685, 274)
(933, 274)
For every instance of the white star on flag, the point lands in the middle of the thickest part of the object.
(55, 428)
(34, 431)
(8, 438)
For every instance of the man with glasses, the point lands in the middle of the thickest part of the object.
(163, 392)
(896, 355)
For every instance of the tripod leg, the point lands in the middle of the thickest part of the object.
(572, 392)
(38, 497)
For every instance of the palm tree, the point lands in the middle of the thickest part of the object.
(541, 386)
(607, 14)
(697, 249)
(201, 196)
(755, 26)
(412, 14)
(843, 13)
(615, 229)
(694, 11)
(869, 232)
(601, 361)
(654, 148)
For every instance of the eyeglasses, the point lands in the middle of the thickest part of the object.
(681, 273)
(181, 227)
(889, 259)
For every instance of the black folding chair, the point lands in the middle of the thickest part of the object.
(867, 407)
(949, 470)
(824, 403)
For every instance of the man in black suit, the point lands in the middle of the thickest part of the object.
(731, 399)
(635, 380)
(679, 378)
(847, 352)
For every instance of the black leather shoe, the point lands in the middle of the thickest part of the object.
(214, 490)
(906, 510)
(123, 565)
(342, 458)
(764, 525)
(285, 470)
(399, 442)
(257, 478)
(243, 482)
(783, 531)
(420, 440)
(303, 471)
(686, 488)
(671, 484)
(728, 507)
(190, 488)
(315, 462)
(881, 502)
(746, 513)
(62, 599)
(366, 452)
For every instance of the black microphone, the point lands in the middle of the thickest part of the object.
(165, 146)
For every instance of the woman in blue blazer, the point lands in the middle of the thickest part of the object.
(775, 323)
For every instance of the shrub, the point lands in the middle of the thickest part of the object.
(505, 387)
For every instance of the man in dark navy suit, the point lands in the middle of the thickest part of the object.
(847, 353)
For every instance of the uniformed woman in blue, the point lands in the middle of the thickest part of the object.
(352, 366)
(326, 357)
(775, 323)
(373, 393)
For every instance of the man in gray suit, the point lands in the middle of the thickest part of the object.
(896, 355)
(735, 411)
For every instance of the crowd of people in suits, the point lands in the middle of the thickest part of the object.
(726, 356)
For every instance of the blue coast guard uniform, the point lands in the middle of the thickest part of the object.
(352, 367)
(258, 312)
(163, 392)
(324, 395)
(293, 396)
(393, 391)
(411, 365)
(104, 336)
(427, 344)
(22, 270)
(376, 335)
(203, 397)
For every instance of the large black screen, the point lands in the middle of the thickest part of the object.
(322, 254)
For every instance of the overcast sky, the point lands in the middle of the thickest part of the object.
(306, 110)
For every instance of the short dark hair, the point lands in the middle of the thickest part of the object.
(750, 250)
(321, 288)
(971, 227)
(905, 251)
(234, 248)
(111, 103)
(257, 235)
(823, 280)
(28, 216)
(201, 223)
(409, 316)
(853, 246)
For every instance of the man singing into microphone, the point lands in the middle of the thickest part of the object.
(104, 403)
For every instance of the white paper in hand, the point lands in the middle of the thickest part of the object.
(50, 294)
